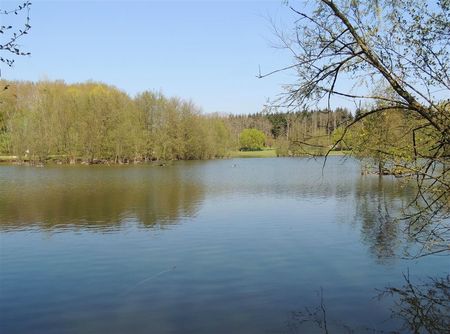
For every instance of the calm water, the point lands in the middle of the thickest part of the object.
(231, 246)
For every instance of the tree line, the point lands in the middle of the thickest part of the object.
(294, 133)
(96, 123)
(93, 122)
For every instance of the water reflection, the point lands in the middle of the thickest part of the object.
(97, 198)
(106, 197)
(418, 307)
(260, 237)
(421, 306)
(379, 202)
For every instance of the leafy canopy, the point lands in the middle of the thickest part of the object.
(252, 140)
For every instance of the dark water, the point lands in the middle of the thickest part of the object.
(231, 246)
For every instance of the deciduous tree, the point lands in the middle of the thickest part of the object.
(347, 48)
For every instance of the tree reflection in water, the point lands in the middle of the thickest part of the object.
(382, 207)
(97, 199)
(378, 204)
(422, 307)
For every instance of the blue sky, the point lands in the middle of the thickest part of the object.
(207, 51)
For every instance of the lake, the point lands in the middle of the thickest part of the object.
(224, 246)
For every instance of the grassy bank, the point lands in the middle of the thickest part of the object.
(271, 153)
(267, 153)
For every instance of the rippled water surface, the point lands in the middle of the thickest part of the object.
(230, 246)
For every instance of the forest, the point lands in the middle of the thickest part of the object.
(93, 123)
(96, 123)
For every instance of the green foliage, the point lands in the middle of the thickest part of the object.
(94, 122)
(252, 140)
(279, 124)
(390, 140)
(292, 133)
(265, 153)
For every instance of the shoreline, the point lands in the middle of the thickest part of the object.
(268, 153)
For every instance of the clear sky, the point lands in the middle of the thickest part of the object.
(207, 51)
